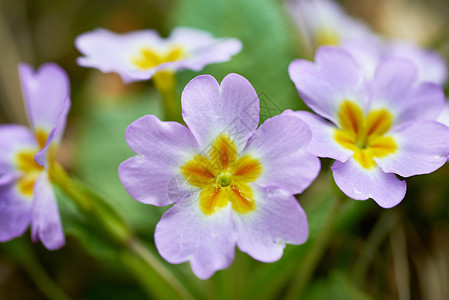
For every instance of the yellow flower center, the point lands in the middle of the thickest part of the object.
(326, 36)
(223, 177)
(365, 135)
(148, 58)
(28, 167)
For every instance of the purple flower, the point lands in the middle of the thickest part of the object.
(138, 55)
(374, 129)
(231, 183)
(26, 195)
(324, 22)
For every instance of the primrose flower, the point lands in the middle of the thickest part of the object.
(324, 22)
(138, 55)
(374, 129)
(26, 195)
(231, 183)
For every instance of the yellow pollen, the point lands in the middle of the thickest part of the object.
(365, 134)
(326, 36)
(28, 167)
(223, 177)
(148, 58)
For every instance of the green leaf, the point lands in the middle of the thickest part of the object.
(264, 28)
(337, 286)
(101, 147)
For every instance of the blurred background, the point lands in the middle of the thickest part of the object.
(373, 253)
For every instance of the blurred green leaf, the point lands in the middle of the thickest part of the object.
(264, 28)
(88, 233)
(101, 147)
(337, 286)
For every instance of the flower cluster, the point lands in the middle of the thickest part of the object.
(378, 111)
(26, 195)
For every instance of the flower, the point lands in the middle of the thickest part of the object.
(26, 195)
(324, 22)
(231, 183)
(374, 129)
(138, 55)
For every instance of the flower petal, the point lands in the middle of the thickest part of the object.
(280, 145)
(422, 148)
(155, 177)
(203, 48)
(46, 94)
(394, 87)
(366, 51)
(13, 138)
(334, 77)
(431, 66)
(15, 212)
(45, 223)
(184, 233)
(323, 143)
(210, 110)
(360, 184)
(443, 118)
(278, 219)
(112, 52)
(55, 135)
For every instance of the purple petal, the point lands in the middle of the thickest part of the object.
(360, 184)
(431, 66)
(112, 52)
(334, 77)
(210, 109)
(422, 148)
(55, 135)
(15, 212)
(46, 94)
(394, 86)
(322, 143)
(443, 118)
(277, 220)
(280, 146)
(367, 52)
(184, 234)
(163, 147)
(46, 224)
(203, 48)
(8, 178)
(13, 138)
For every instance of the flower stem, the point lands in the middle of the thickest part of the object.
(165, 84)
(21, 251)
(156, 279)
(314, 254)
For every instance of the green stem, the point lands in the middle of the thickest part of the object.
(165, 84)
(314, 254)
(141, 262)
(20, 251)
(380, 231)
